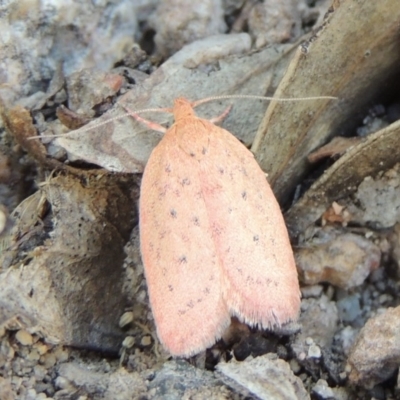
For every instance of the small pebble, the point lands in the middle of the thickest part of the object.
(26, 371)
(347, 336)
(39, 372)
(16, 382)
(42, 349)
(33, 355)
(343, 375)
(7, 350)
(303, 377)
(295, 366)
(314, 352)
(349, 308)
(312, 291)
(61, 354)
(31, 394)
(377, 275)
(330, 292)
(62, 383)
(16, 366)
(126, 319)
(385, 298)
(322, 390)
(41, 387)
(29, 382)
(24, 337)
(309, 341)
(48, 360)
(64, 394)
(381, 286)
(146, 341)
(128, 342)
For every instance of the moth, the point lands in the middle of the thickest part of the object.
(213, 239)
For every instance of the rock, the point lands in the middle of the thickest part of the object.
(178, 379)
(119, 385)
(274, 21)
(24, 337)
(319, 320)
(126, 319)
(324, 392)
(379, 198)
(266, 377)
(179, 22)
(6, 392)
(90, 87)
(375, 355)
(342, 259)
(48, 296)
(100, 37)
(314, 351)
(311, 291)
(349, 308)
(346, 337)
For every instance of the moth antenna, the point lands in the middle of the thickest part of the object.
(248, 96)
(194, 104)
(90, 128)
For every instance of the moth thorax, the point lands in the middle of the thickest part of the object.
(182, 109)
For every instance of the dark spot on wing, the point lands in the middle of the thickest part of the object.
(216, 230)
(173, 213)
(190, 304)
(185, 182)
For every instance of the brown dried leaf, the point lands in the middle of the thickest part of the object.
(18, 122)
(213, 66)
(336, 147)
(348, 57)
(70, 119)
(371, 156)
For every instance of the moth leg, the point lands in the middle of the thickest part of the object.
(152, 125)
(221, 117)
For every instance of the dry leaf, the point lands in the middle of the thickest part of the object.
(350, 56)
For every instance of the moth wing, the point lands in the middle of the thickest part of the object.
(179, 255)
(260, 283)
